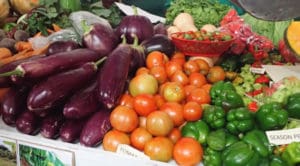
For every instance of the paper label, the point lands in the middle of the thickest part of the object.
(130, 151)
(257, 70)
(281, 137)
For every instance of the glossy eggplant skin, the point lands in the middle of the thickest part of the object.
(94, 130)
(139, 25)
(28, 123)
(100, 38)
(51, 125)
(83, 103)
(56, 88)
(71, 129)
(58, 62)
(113, 74)
(6, 82)
(13, 104)
(160, 28)
(61, 46)
(160, 43)
(138, 59)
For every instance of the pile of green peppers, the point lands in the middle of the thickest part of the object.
(235, 136)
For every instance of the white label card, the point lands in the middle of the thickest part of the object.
(281, 137)
(128, 150)
(257, 70)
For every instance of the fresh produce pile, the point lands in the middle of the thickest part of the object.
(90, 80)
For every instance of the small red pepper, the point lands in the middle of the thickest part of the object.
(262, 79)
(253, 107)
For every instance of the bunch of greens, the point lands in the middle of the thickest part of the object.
(203, 11)
(274, 30)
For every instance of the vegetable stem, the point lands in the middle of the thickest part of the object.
(16, 72)
(86, 28)
(124, 40)
(100, 61)
(135, 11)
(135, 40)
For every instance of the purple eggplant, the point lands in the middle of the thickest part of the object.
(52, 91)
(160, 28)
(48, 65)
(100, 38)
(113, 74)
(6, 82)
(160, 43)
(28, 123)
(71, 129)
(96, 127)
(83, 103)
(139, 25)
(61, 46)
(51, 124)
(13, 104)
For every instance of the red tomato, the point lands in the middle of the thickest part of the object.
(156, 58)
(139, 137)
(143, 104)
(159, 148)
(159, 73)
(113, 138)
(159, 123)
(199, 95)
(192, 111)
(172, 67)
(191, 67)
(187, 151)
(175, 111)
(126, 100)
(197, 79)
(124, 119)
(174, 135)
(180, 77)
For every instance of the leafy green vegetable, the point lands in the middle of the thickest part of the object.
(203, 11)
(272, 30)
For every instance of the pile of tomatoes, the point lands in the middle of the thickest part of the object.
(161, 97)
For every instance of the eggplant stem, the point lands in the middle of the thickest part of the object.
(100, 61)
(124, 40)
(86, 28)
(16, 72)
(135, 40)
(135, 11)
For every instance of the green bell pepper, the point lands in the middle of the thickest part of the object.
(240, 154)
(216, 140)
(239, 120)
(259, 142)
(271, 116)
(214, 116)
(276, 161)
(230, 139)
(291, 154)
(293, 106)
(198, 130)
(229, 63)
(223, 94)
(212, 157)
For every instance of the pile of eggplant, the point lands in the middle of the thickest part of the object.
(69, 92)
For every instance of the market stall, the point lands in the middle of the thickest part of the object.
(89, 82)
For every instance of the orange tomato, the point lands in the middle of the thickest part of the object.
(197, 79)
(191, 67)
(142, 121)
(159, 100)
(199, 95)
(192, 111)
(159, 148)
(171, 67)
(207, 87)
(113, 138)
(144, 104)
(188, 89)
(174, 135)
(215, 74)
(175, 111)
(126, 100)
(187, 151)
(143, 84)
(124, 119)
(159, 123)
(156, 58)
(159, 73)
(139, 137)
(203, 66)
(173, 92)
(180, 77)
(142, 70)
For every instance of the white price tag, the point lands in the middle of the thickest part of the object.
(281, 137)
(257, 70)
(128, 150)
